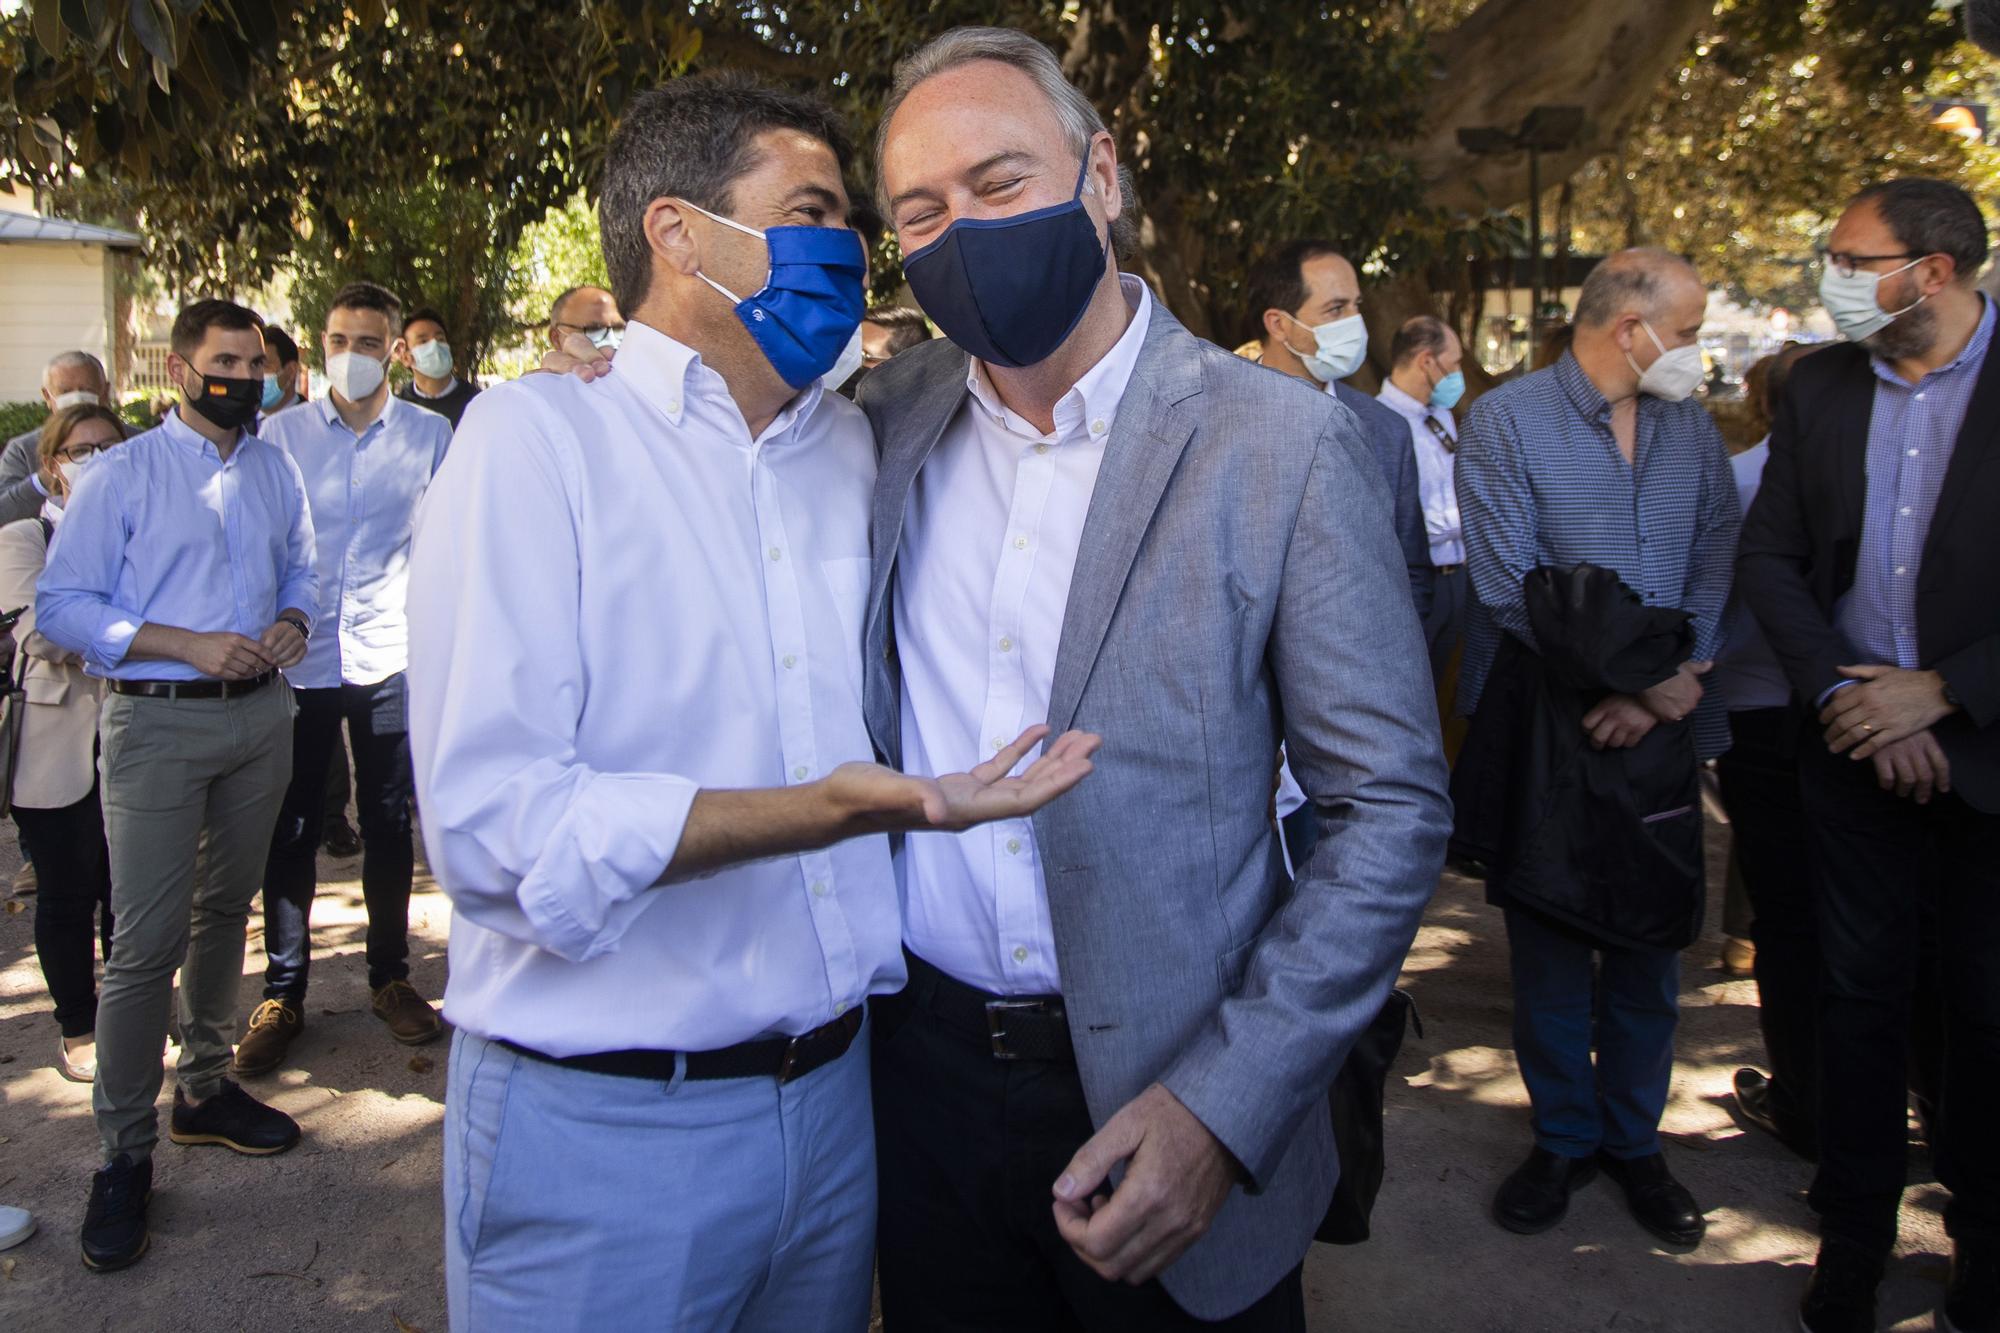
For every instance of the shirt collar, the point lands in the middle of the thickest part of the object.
(1582, 394)
(189, 438)
(669, 371)
(1974, 351)
(1393, 396)
(330, 414)
(450, 386)
(1094, 397)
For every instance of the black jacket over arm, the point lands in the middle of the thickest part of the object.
(1802, 538)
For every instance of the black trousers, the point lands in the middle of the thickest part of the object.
(378, 731)
(1883, 865)
(967, 1149)
(72, 904)
(1760, 789)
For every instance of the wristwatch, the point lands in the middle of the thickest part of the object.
(299, 623)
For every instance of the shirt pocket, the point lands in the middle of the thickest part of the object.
(847, 581)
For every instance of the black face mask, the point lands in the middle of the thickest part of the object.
(229, 403)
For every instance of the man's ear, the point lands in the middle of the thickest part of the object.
(1277, 327)
(399, 352)
(1103, 175)
(670, 237)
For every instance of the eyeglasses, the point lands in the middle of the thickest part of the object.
(1844, 264)
(594, 331)
(76, 453)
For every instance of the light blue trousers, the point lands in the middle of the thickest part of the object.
(591, 1202)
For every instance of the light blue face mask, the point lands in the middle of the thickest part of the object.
(273, 392)
(1447, 391)
(1851, 300)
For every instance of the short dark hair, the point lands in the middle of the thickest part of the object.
(1931, 217)
(369, 296)
(281, 342)
(1277, 281)
(423, 313)
(192, 324)
(691, 140)
(1419, 334)
(907, 327)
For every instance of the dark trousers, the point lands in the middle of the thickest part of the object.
(967, 1149)
(1760, 789)
(1573, 995)
(72, 904)
(1883, 865)
(378, 731)
(1444, 627)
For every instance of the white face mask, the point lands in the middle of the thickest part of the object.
(76, 398)
(1675, 375)
(605, 339)
(354, 376)
(849, 362)
(1851, 300)
(432, 358)
(1339, 348)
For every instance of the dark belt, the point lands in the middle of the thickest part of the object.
(191, 689)
(1447, 569)
(782, 1058)
(1013, 1027)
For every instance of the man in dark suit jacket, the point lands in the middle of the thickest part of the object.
(1870, 559)
(1297, 290)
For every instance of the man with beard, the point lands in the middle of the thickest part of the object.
(1868, 559)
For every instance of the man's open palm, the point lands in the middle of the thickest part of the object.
(900, 802)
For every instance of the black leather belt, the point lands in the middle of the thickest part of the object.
(1447, 569)
(782, 1058)
(191, 689)
(1013, 1027)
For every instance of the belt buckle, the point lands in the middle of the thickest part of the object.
(996, 1032)
(795, 1050)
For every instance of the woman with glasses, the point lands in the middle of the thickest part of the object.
(55, 801)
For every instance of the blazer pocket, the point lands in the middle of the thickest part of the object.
(47, 689)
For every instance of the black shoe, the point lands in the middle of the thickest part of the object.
(341, 840)
(114, 1225)
(234, 1119)
(1660, 1203)
(1536, 1196)
(1972, 1301)
(1754, 1102)
(1840, 1295)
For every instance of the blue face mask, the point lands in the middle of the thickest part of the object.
(272, 393)
(1010, 290)
(1447, 391)
(812, 302)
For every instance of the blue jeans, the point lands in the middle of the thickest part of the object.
(580, 1201)
(1629, 1015)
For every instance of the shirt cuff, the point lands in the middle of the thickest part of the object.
(1832, 690)
(113, 639)
(615, 842)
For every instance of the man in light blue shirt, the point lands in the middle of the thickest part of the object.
(367, 458)
(182, 573)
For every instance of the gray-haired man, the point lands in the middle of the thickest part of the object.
(69, 378)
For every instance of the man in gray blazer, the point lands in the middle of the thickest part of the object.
(1086, 515)
(68, 379)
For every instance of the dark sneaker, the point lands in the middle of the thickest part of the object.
(234, 1119)
(409, 1015)
(1840, 1294)
(114, 1225)
(1536, 1196)
(273, 1025)
(341, 841)
(1658, 1202)
(1972, 1301)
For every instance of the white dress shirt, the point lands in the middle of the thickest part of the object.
(364, 490)
(1437, 488)
(617, 597)
(989, 543)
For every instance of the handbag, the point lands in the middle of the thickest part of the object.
(1355, 1103)
(13, 706)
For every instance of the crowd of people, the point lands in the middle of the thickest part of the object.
(858, 815)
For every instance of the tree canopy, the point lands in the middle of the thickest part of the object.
(418, 141)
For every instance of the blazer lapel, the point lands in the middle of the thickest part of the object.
(1850, 451)
(1147, 440)
(1975, 444)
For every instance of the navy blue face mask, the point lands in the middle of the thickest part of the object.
(810, 305)
(1010, 290)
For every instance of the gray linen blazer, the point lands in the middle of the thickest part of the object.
(1238, 584)
(19, 497)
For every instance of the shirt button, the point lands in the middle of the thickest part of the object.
(1906, 511)
(800, 772)
(1020, 954)
(790, 662)
(840, 1009)
(776, 554)
(1006, 645)
(1041, 448)
(1913, 453)
(819, 890)
(673, 404)
(1097, 427)
(1020, 543)
(999, 744)
(1013, 846)
(1901, 569)
(1920, 398)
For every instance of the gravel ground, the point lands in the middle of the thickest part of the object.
(342, 1233)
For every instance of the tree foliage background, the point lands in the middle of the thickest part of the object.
(426, 143)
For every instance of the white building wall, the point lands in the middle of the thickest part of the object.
(52, 298)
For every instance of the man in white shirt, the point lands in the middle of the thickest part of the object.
(367, 458)
(1425, 383)
(635, 673)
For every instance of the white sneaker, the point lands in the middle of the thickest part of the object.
(15, 1226)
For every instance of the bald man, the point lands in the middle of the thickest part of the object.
(69, 378)
(590, 311)
(1603, 458)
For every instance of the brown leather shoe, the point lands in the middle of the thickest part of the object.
(409, 1015)
(273, 1024)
